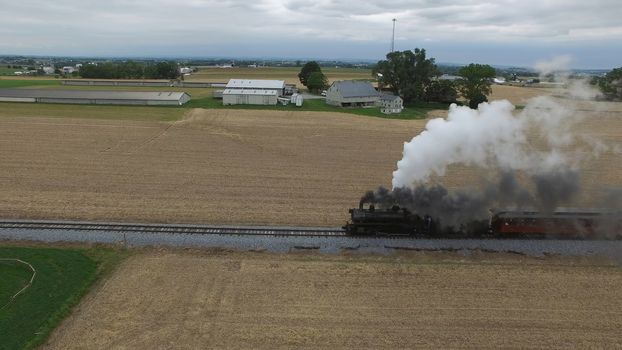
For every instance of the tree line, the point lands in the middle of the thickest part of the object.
(130, 70)
(611, 84)
(414, 77)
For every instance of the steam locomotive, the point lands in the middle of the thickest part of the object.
(396, 221)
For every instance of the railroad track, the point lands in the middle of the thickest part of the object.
(171, 228)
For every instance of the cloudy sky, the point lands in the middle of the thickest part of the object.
(503, 32)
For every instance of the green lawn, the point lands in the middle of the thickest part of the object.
(18, 83)
(417, 111)
(63, 276)
(4, 70)
(14, 276)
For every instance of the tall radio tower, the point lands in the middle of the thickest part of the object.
(393, 36)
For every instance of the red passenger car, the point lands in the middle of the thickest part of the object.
(558, 224)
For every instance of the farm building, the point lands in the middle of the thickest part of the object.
(390, 104)
(249, 97)
(257, 84)
(94, 97)
(89, 82)
(448, 77)
(148, 83)
(352, 93)
(252, 92)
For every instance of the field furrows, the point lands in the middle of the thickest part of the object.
(241, 167)
(265, 301)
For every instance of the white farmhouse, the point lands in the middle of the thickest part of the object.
(390, 104)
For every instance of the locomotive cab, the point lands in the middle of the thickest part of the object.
(392, 221)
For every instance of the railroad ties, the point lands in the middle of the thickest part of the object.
(171, 228)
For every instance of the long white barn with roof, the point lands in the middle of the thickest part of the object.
(253, 91)
(95, 97)
(249, 97)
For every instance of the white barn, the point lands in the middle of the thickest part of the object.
(253, 92)
(249, 97)
(257, 84)
(99, 97)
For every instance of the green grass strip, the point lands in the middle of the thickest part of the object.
(63, 277)
(18, 83)
(415, 111)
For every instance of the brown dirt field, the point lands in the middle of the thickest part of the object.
(225, 166)
(215, 166)
(225, 300)
(516, 95)
(288, 74)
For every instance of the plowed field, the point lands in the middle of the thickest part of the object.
(225, 166)
(261, 167)
(199, 300)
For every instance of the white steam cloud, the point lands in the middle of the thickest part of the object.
(554, 65)
(573, 88)
(491, 137)
(531, 159)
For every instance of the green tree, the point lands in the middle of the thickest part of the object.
(441, 91)
(317, 82)
(131, 70)
(475, 82)
(611, 84)
(306, 71)
(167, 70)
(406, 73)
(476, 100)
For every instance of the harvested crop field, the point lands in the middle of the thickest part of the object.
(213, 166)
(288, 74)
(223, 166)
(174, 299)
(516, 95)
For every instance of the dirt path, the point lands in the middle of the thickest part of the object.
(192, 300)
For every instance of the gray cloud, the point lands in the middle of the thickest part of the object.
(195, 26)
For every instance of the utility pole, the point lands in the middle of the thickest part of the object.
(393, 36)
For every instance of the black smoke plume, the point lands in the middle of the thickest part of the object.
(454, 208)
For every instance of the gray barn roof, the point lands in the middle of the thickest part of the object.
(388, 97)
(249, 92)
(93, 94)
(255, 84)
(353, 88)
